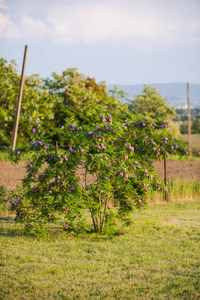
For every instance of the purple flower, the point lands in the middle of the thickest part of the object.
(18, 152)
(105, 178)
(106, 158)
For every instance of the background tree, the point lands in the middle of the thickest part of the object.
(152, 104)
(71, 94)
(35, 100)
(80, 98)
(195, 126)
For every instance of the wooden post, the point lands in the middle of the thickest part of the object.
(165, 176)
(18, 107)
(56, 151)
(189, 125)
(56, 177)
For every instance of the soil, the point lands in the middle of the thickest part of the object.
(10, 174)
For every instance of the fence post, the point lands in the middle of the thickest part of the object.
(19, 101)
(165, 176)
(56, 154)
(56, 151)
(189, 117)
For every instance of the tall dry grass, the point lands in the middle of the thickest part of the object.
(177, 189)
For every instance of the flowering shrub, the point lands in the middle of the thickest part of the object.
(120, 158)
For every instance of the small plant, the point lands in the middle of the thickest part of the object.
(3, 199)
(118, 156)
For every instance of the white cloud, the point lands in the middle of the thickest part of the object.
(8, 28)
(144, 24)
(27, 28)
(2, 4)
(31, 28)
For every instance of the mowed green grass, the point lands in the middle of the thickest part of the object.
(158, 258)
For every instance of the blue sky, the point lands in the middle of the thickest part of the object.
(117, 41)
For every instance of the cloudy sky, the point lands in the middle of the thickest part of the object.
(117, 41)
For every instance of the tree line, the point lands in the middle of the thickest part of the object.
(70, 94)
(182, 116)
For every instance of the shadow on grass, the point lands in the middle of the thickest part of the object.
(8, 230)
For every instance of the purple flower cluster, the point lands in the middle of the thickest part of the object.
(14, 203)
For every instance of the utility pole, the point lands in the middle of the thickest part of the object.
(189, 125)
(18, 107)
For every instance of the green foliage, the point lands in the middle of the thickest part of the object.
(35, 99)
(195, 126)
(118, 155)
(2, 194)
(81, 98)
(184, 127)
(151, 104)
(4, 202)
(54, 99)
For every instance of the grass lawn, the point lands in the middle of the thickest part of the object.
(158, 258)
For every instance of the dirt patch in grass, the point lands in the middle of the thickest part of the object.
(183, 169)
(10, 174)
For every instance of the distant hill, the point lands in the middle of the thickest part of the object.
(176, 93)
